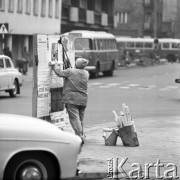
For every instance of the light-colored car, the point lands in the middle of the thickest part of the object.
(32, 148)
(10, 78)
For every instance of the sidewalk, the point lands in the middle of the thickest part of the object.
(159, 138)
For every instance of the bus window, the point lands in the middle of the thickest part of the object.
(83, 43)
(101, 44)
(108, 44)
(139, 45)
(98, 44)
(94, 45)
(148, 45)
(115, 44)
(121, 45)
(174, 45)
(130, 45)
(105, 43)
(165, 45)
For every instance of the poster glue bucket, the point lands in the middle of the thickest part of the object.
(111, 139)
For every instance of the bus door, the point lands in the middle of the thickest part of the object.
(105, 54)
(99, 54)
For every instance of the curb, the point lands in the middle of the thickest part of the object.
(86, 176)
(100, 126)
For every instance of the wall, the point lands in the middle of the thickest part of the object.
(22, 23)
(136, 18)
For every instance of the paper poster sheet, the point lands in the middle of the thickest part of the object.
(55, 54)
(61, 120)
(67, 42)
(43, 97)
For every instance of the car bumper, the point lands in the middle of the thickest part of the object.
(90, 68)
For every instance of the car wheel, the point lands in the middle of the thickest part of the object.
(31, 166)
(13, 92)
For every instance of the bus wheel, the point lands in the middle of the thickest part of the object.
(96, 73)
(110, 72)
(171, 58)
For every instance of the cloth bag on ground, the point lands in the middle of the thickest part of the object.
(128, 136)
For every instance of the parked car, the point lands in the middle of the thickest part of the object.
(177, 80)
(32, 148)
(10, 78)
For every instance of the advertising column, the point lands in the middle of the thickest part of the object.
(47, 86)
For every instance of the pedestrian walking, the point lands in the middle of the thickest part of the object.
(7, 52)
(74, 94)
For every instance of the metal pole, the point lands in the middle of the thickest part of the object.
(3, 41)
(155, 18)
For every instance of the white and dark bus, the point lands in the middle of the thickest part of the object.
(168, 48)
(99, 47)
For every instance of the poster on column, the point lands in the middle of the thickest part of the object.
(49, 48)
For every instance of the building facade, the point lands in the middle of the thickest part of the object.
(95, 15)
(171, 18)
(138, 18)
(25, 18)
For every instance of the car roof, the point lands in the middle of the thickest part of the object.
(4, 56)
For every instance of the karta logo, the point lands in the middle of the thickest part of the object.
(116, 170)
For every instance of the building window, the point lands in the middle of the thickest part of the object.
(43, 8)
(11, 5)
(57, 9)
(2, 5)
(50, 10)
(148, 18)
(28, 6)
(98, 5)
(35, 7)
(83, 4)
(66, 2)
(19, 6)
(122, 17)
(147, 2)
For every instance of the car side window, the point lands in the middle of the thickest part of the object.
(8, 64)
(1, 63)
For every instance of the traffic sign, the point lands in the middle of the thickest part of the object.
(4, 28)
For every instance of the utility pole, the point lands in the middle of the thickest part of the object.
(155, 18)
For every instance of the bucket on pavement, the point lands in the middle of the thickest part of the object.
(110, 136)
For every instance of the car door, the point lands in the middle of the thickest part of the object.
(4, 78)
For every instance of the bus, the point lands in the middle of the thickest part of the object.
(99, 47)
(148, 50)
(135, 49)
(170, 49)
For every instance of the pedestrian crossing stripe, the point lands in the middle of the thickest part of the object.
(3, 29)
